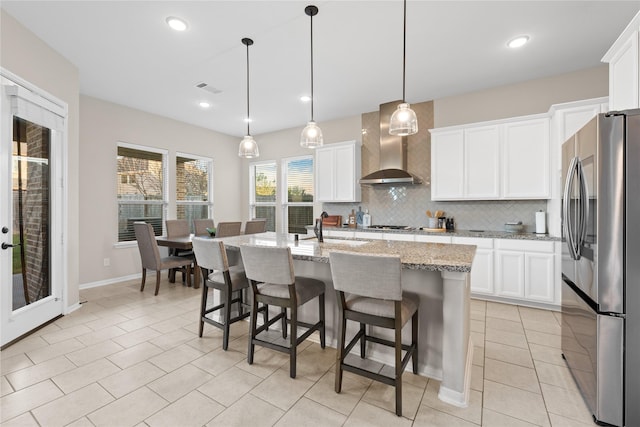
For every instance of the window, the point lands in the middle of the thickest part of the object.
(142, 183)
(298, 204)
(263, 182)
(194, 186)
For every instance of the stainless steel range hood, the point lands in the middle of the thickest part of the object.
(393, 154)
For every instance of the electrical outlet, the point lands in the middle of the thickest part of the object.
(107, 262)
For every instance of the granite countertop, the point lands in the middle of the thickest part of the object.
(414, 256)
(487, 234)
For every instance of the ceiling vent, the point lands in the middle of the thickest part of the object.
(208, 88)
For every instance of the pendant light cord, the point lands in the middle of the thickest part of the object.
(312, 99)
(404, 50)
(248, 116)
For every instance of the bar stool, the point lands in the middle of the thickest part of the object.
(273, 282)
(369, 291)
(212, 256)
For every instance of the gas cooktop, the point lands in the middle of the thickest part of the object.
(390, 227)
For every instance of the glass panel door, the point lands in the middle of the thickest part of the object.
(30, 228)
(32, 252)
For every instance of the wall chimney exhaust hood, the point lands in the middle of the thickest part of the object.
(393, 154)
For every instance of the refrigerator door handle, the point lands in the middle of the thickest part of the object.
(583, 210)
(565, 208)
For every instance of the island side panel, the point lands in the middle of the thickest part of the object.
(457, 351)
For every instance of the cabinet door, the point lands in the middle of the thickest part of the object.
(482, 272)
(526, 160)
(538, 277)
(447, 168)
(481, 162)
(623, 75)
(509, 273)
(344, 158)
(324, 174)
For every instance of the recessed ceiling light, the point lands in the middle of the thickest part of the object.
(177, 23)
(305, 98)
(518, 42)
(204, 104)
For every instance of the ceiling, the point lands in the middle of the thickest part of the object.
(126, 53)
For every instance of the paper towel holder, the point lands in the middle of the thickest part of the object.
(541, 222)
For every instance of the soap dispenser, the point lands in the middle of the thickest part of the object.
(366, 219)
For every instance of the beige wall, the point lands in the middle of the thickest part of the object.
(286, 143)
(104, 124)
(531, 97)
(29, 58)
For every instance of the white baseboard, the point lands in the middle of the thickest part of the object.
(72, 308)
(109, 281)
(516, 301)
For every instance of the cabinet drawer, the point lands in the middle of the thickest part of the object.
(432, 239)
(524, 245)
(479, 242)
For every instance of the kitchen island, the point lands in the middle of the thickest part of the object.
(437, 273)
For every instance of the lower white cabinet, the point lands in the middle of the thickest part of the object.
(525, 269)
(482, 269)
(430, 238)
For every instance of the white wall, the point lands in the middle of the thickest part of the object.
(103, 125)
(28, 57)
(520, 99)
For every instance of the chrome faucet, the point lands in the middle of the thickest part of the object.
(317, 229)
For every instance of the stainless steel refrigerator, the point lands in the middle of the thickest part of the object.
(601, 265)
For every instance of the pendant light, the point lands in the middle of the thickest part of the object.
(403, 121)
(311, 136)
(248, 146)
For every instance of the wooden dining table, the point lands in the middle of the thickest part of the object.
(184, 243)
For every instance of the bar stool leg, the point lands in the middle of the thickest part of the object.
(398, 382)
(228, 294)
(293, 340)
(342, 322)
(414, 340)
(321, 314)
(363, 340)
(252, 329)
(203, 308)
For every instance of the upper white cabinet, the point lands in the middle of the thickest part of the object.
(482, 162)
(506, 159)
(338, 169)
(447, 164)
(624, 68)
(525, 159)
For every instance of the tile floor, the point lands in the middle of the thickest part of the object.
(131, 359)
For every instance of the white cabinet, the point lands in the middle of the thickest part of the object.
(624, 68)
(447, 164)
(482, 162)
(482, 269)
(506, 159)
(430, 238)
(337, 171)
(525, 151)
(525, 269)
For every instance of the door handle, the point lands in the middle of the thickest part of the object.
(7, 245)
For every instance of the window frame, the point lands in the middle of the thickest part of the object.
(165, 189)
(284, 200)
(209, 202)
(252, 190)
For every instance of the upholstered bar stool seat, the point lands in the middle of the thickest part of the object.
(211, 255)
(369, 291)
(274, 283)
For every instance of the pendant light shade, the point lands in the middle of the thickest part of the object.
(248, 146)
(311, 136)
(403, 121)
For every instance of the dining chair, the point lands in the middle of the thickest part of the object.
(200, 226)
(255, 226)
(227, 229)
(177, 228)
(229, 280)
(151, 259)
(369, 291)
(273, 282)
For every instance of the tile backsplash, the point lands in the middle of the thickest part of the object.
(407, 204)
